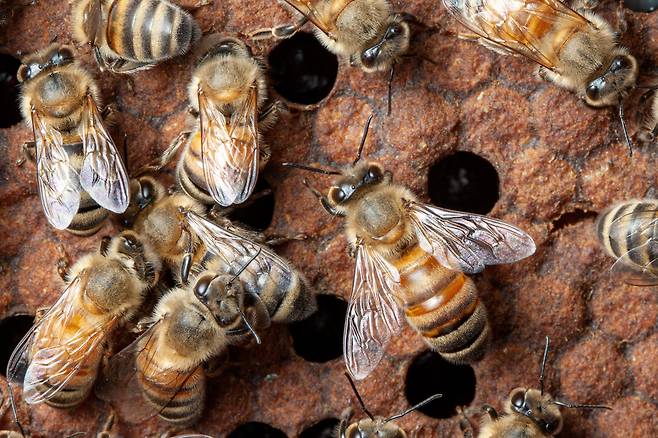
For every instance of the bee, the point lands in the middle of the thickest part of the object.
(224, 151)
(242, 289)
(80, 173)
(576, 50)
(58, 359)
(628, 231)
(133, 35)
(413, 257)
(375, 427)
(529, 413)
(365, 32)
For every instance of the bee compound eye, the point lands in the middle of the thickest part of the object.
(202, 286)
(518, 399)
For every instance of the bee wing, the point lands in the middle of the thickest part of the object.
(232, 247)
(636, 232)
(513, 24)
(373, 315)
(92, 21)
(54, 364)
(229, 150)
(103, 174)
(325, 20)
(468, 242)
(59, 187)
(120, 384)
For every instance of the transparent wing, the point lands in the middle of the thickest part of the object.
(59, 188)
(373, 314)
(325, 20)
(518, 25)
(638, 274)
(231, 247)
(120, 381)
(102, 174)
(44, 362)
(229, 150)
(468, 242)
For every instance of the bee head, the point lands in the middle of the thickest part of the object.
(538, 407)
(43, 61)
(222, 295)
(393, 43)
(377, 428)
(355, 182)
(144, 191)
(608, 88)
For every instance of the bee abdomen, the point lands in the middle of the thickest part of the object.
(76, 390)
(190, 177)
(89, 218)
(177, 396)
(453, 320)
(287, 298)
(617, 240)
(150, 30)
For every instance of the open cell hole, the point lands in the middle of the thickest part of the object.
(641, 5)
(430, 374)
(322, 429)
(12, 328)
(258, 211)
(255, 429)
(464, 181)
(9, 92)
(319, 338)
(302, 70)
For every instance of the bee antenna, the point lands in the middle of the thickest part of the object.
(311, 168)
(365, 133)
(629, 143)
(579, 406)
(358, 397)
(245, 266)
(186, 266)
(543, 366)
(251, 329)
(414, 407)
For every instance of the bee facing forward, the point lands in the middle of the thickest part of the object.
(80, 174)
(133, 35)
(576, 50)
(365, 32)
(224, 152)
(414, 256)
(57, 361)
(529, 412)
(374, 426)
(628, 231)
(242, 289)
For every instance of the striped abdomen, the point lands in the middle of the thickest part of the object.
(443, 306)
(149, 30)
(177, 395)
(189, 172)
(90, 215)
(625, 229)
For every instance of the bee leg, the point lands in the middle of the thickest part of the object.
(106, 432)
(464, 424)
(166, 156)
(269, 116)
(279, 32)
(265, 154)
(323, 200)
(28, 149)
(216, 366)
(63, 262)
(278, 239)
(622, 24)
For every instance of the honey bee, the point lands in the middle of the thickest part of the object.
(58, 359)
(576, 50)
(413, 256)
(80, 173)
(376, 427)
(224, 151)
(529, 413)
(242, 289)
(133, 35)
(365, 32)
(628, 232)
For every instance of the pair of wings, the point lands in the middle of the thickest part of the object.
(326, 20)
(644, 238)
(517, 26)
(459, 241)
(102, 174)
(43, 362)
(229, 149)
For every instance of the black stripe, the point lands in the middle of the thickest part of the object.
(147, 26)
(166, 33)
(184, 34)
(633, 237)
(617, 250)
(127, 30)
